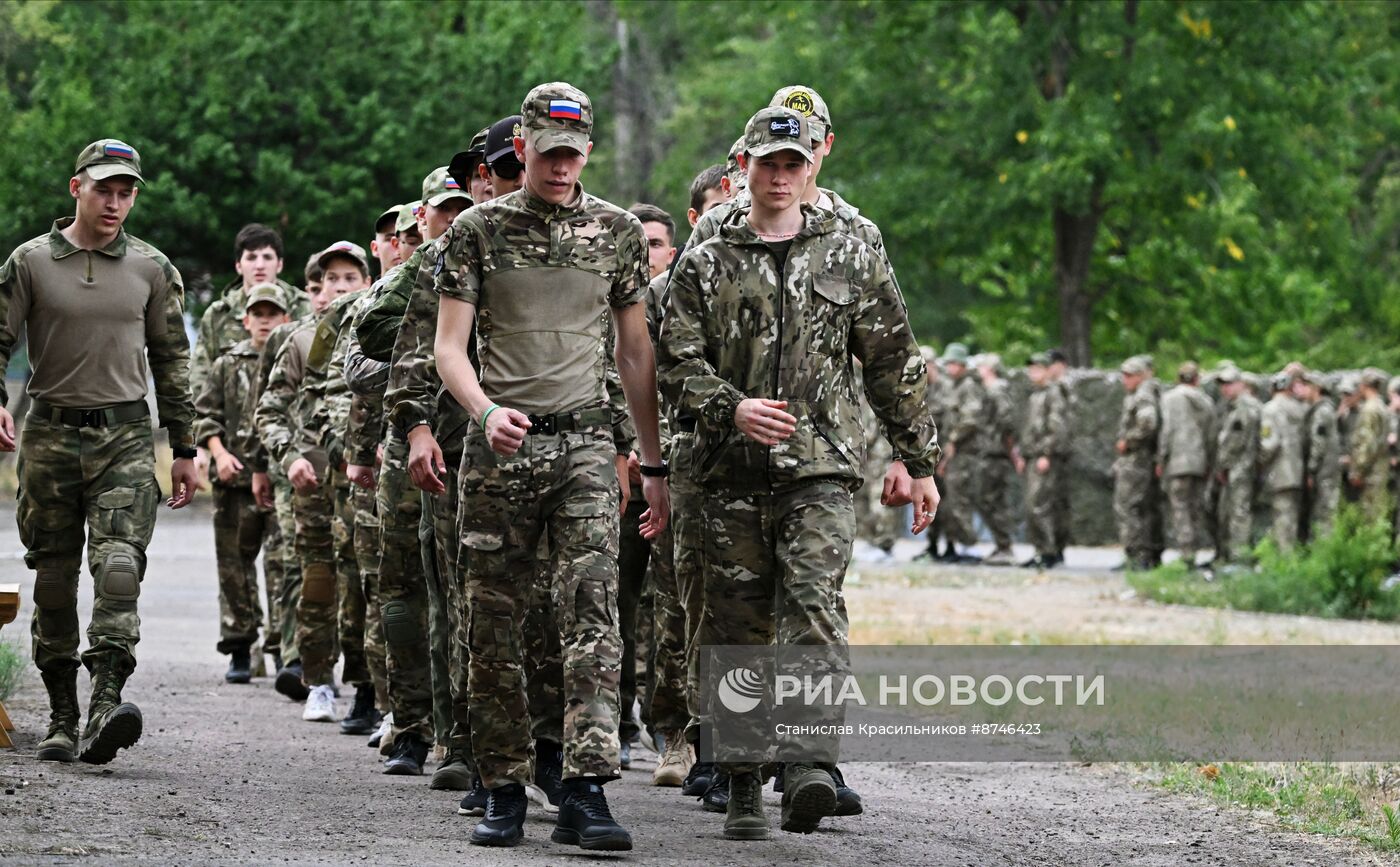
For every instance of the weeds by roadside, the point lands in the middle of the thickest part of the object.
(13, 665)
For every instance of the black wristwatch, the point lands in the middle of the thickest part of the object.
(660, 472)
(184, 453)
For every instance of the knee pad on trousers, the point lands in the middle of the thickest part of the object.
(318, 583)
(400, 626)
(118, 573)
(56, 585)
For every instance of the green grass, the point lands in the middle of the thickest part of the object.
(1340, 575)
(1348, 801)
(12, 668)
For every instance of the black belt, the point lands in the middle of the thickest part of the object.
(565, 422)
(102, 416)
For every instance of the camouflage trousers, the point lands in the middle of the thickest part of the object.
(959, 495)
(634, 553)
(687, 532)
(101, 480)
(444, 565)
(980, 482)
(1322, 504)
(403, 602)
(289, 586)
(1375, 493)
(562, 487)
(665, 706)
(775, 562)
(875, 523)
(1047, 505)
(1285, 509)
(367, 532)
(1186, 497)
(1234, 533)
(316, 606)
(239, 530)
(1136, 509)
(349, 592)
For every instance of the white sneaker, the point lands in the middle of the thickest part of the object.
(320, 705)
(385, 726)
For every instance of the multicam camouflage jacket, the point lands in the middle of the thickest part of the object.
(1368, 438)
(324, 391)
(1047, 422)
(969, 423)
(257, 459)
(738, 324)
(284, 410)
(1139, 421)
(220, 407)
(221, 326)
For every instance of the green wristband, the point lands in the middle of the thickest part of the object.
(485, 415)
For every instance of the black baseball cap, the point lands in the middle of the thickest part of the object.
(500, 142)
(464, 163)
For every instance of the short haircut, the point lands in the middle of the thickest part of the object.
(652, 214)
(704, 182)
(256, 236)
(313, 271)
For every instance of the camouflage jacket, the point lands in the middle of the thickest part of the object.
(221, 404)
(221, 326)
(1237, 444)
(972, 416)
(324, 390)
(1369, 455)
(1139, 422)
(1324, 441)
(377, 325)
(283, 412)
(1281, 440)
(257, 458)
(1187, 437)
(1047, 429)
(739, 326)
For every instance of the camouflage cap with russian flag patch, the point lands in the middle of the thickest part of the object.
(808, 103)
(344, 248)
(439, 186)
(557, 115)
(408, 217)
(776, 129)
(108, 158)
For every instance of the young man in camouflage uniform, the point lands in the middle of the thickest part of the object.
(995, 421)
(1045, 452)
(777, 432)
(1236, 455)
(543, 266)
(241, 525)
(1368, 469)
(86, 460)
(1135, 503)
(1184, 457)
(1324, 450)
(1281, 442)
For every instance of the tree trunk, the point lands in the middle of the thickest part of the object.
(1074, 249)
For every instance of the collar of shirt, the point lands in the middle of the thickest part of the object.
(549, 211)
(62, 247)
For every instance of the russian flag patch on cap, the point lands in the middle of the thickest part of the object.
(451, 183)
(565, 108)
(116, 149)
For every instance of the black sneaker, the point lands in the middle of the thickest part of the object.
(240, 667)
(716, 798)
(504, 821)
(697, 782)
(410, 752)
(289, 683)
(585, 820)
(474, 802)
(848, 801)
(549, 775)
(364, 717)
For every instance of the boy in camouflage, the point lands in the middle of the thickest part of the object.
(778, 442)
(241, 526)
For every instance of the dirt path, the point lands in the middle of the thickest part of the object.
(231, 775)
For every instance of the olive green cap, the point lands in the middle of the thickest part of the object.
(343, 248)
(777, 129)
(1138, 365)
(557, 115)
(1227, 375)
(439, 186)
(108, 158)
(408, 216)
(808, 103)
(269, 293)
(954, 352)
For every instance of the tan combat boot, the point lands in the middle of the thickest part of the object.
(675, 763)
(112, 724)
(62, 739)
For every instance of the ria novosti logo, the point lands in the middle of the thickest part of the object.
(741, 690)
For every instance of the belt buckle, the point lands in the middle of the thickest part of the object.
(92, 418)
(543, 424)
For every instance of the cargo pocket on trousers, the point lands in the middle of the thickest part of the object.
(490, 636)
(128, 513)
(318, 583)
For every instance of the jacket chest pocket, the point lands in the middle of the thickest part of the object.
(832, 310)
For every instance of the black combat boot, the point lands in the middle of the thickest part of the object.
(504, 823)
(112, 724)
(410, 752)
(240, 666)
(364, 716)
(61, 743)
(585, 820)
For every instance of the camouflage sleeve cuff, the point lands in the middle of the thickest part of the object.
(181, 437)
(719, 410)
(923, 466)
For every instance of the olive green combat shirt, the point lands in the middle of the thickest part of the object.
(542, 278)
(94, 318)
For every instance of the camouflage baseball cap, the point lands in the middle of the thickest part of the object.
(439, 186)
(463, 164)
(1226, 375)
(928, 353)
(557, 115)
(269, 293)
(988, 359)
(108, 158)
(777, 129)
(1394, 385)
(955, 352)
(1349, 384)
(808, 103)
(1374, 377)
(737, 179)
(343, 248)
(1039, 359)
(1138, 365)
(386, 221)
(408, 216)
